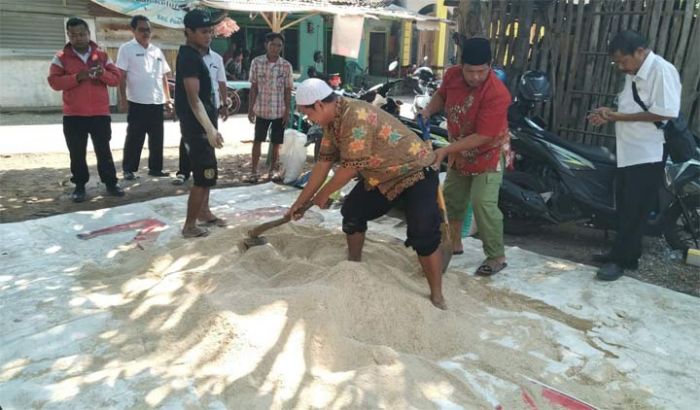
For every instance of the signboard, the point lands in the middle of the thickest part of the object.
(168, 13)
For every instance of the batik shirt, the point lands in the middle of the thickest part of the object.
(389, 156)
(482, 110)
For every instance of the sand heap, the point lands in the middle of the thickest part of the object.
(293, 325)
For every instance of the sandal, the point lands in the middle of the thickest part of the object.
(486, 269)
(219, 222)
(251, 179)
(195, 232)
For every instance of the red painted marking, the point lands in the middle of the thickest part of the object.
(148, 230)
(528, 399)
(564, 400)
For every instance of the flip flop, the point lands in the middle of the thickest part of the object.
(486, 270)
(195, 232)
(215, 222)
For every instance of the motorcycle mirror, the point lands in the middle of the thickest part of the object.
(393, 65)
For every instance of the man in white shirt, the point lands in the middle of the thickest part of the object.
(144, 89)
(217, 73)
(639, 143)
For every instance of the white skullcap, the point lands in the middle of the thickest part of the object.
(312, 90)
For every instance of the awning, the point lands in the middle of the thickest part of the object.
(165, 13)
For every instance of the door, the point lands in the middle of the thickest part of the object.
(377, 54)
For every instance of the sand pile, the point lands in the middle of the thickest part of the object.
(293, 325)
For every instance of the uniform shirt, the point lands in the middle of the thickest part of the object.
(482, 110)
(659, 87)
(388, 154)
(190, 64)
(215, 64)
(145, 68)
(272, 78)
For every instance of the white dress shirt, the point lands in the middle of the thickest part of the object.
(145, 68)
(215, 64)
(659, 87)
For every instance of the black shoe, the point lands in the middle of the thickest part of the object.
(129, 176)
(158, 174)
(602, 258)
(78, 194)
(115, 190)
(610, 272)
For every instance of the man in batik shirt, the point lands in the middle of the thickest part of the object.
(394, 164)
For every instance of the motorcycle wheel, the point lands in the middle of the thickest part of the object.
(235, 101)
(678, 233)
(515, 222)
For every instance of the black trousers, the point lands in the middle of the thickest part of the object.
(143, 119)
(76, 130)
(637, 193)
(184, 168)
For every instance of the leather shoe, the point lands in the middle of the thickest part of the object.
(129, 176)
(78, 194)
(610, 272)
(158, 174)
(115, 190)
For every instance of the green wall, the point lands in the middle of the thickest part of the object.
(310, 43)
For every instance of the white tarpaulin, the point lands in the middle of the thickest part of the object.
(168, 13)
(347, 35)
(114, 309)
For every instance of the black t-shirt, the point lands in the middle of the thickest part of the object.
(190, 64)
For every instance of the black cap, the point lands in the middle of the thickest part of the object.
(198, 18)
(476, 51)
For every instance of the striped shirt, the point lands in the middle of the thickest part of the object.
(272, 78)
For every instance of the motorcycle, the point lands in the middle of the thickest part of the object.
(556, 181)
(425, 84)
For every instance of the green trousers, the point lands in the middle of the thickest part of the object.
(482, 191)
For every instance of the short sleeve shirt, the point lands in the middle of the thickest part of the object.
(190, 64)
(145, 68)
(215, 65)
(388, 154)
(272, 78)
(659, 87)
(482, 110)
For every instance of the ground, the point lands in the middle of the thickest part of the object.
(38, 184)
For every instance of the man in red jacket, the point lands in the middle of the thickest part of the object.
(82, 71)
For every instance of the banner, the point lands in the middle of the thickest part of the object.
(347, 35)
(168, 13)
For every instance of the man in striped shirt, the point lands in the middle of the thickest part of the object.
(270, 99)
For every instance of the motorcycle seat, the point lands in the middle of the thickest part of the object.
(594, 153)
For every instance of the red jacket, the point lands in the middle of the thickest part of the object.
(89, 97)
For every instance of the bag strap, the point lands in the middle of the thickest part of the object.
(639, 101)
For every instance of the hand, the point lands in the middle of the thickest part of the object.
(215, 139)
(295, 212)
(251, 116)
(83, 75)
(322, 200)
(601, 115)
(223, 112)
(440, 155)
(169, 106)
(285, 118)
(123, 105)
(95, 72)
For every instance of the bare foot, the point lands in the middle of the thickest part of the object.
(438, 302)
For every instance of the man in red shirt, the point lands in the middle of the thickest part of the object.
(476, 104)
(82, 71)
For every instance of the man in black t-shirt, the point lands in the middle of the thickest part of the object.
(194, 104)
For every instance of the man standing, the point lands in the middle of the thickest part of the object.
(654, 82)
(270, 99)
(82, 71)
(395, 165)
(476, 103)
(144, 71)
(195, 106)
(215, 64)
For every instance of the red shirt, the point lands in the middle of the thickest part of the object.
(482, 110)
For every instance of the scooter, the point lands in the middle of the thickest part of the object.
(425, 84)
(556, 181)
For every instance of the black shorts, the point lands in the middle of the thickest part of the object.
(202, 160)
(422, 211)
(276, 133)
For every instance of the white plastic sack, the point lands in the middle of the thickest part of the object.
(293, 155)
